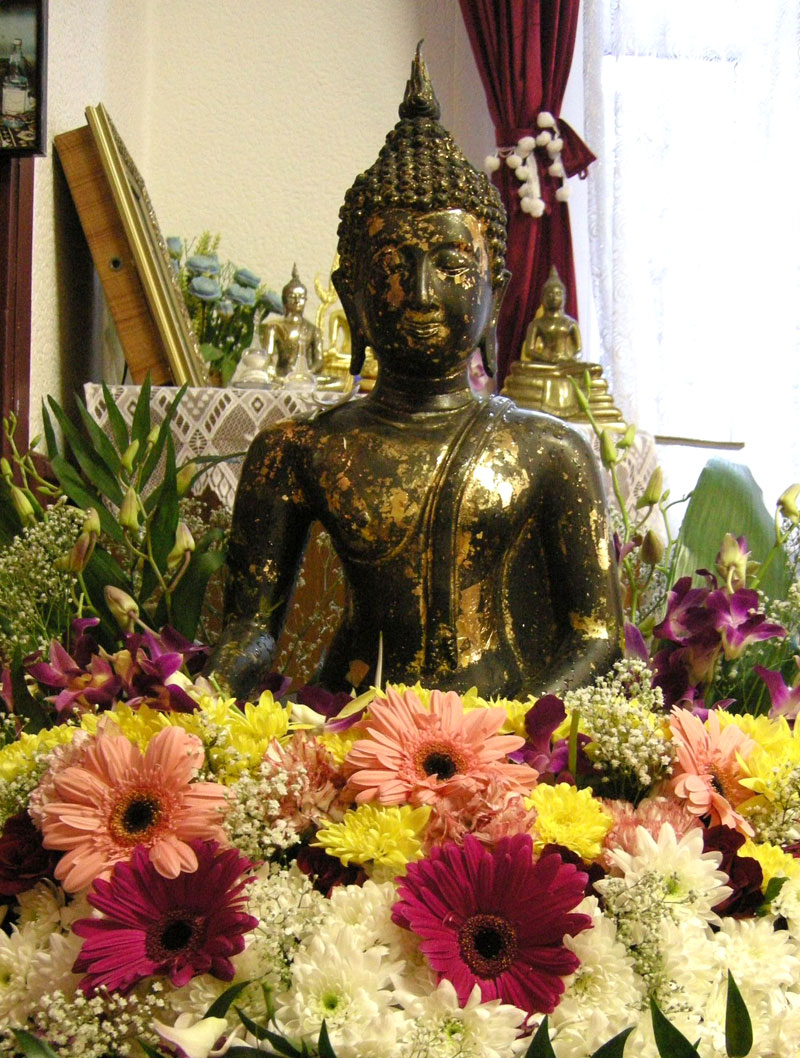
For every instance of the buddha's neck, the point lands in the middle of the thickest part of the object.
(405, 393)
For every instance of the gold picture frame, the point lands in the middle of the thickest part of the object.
(130, 254)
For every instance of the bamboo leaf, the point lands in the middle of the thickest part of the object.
(614, 1048)
(83, 496)
(670, 1042)
(116, 420)
(89, 460)
(163, 524)
(151, 462)
(540, 1046)
(727, 499)
(31, 1046)
(140, 426)
(738, 1027)
(261, 1032)
(151, 1052)
(49, 433)
(324, 1045)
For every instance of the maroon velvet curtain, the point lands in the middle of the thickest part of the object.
(523, 49)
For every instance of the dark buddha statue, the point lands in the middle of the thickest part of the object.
(472, 534)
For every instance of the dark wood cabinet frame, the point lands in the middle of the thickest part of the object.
(16, 260)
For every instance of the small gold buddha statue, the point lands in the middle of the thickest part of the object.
(293, 342)
(472, 534)
(542, 379)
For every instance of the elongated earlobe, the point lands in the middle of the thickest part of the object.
(358, 344)
(488, 343)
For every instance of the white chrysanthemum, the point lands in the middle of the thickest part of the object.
(194, 998)
(16, 954)
(365, 909)
(350, 989)
(691, 884)
(41, 907)
(604, 996)
(438, 1027)
(787, 903)
(51, 969)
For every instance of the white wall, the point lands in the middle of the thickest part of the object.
(247, 118)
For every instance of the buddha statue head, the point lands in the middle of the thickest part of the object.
(294, 295)
(554, 293)
(421, 248)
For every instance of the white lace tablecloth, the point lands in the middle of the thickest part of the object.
(209, 421)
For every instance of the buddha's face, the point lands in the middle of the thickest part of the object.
(553, 297)
(294, 301)
(425, 291)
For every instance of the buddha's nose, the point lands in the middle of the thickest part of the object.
(423, 281)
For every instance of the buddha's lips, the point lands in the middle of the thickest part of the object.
(425, 325)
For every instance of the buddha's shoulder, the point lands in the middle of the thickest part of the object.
(536, 426)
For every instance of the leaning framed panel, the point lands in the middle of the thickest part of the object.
(23, 77)
(129, 253)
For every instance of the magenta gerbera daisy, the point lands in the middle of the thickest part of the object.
(151, 925)
(495, 919)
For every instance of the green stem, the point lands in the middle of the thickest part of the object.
(572, 756)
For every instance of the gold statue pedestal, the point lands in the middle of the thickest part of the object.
(549, 387)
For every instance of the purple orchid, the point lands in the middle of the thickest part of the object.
(738, 621)
(785, 699)
(79, 682)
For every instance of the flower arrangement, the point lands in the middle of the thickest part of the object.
(224, 302)
(410, 872)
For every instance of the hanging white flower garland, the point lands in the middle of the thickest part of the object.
(522, 160)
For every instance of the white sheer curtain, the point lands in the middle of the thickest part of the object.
(693, 109)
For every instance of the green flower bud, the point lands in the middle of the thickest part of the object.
(184, 478)
(91, 523)
(652, 548)
(130, 455)
(184, 542)
(608, 450)
(152, 437)
(652, 494)
(787, 503)
(22, 505)
(32, 444)
(5, 469)
(129, 511)
(123, 608)
(627, 438)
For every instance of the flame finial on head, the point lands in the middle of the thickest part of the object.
(419, 100)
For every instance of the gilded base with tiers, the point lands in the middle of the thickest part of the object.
(549, 387)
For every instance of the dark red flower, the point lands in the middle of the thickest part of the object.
(23, 860)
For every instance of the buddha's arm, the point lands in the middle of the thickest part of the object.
(582, 570)
(268, 538)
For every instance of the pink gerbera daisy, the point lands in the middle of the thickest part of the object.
(418, 755)
(181, 927)
(707, 774)
(118, 798)
(495, 919)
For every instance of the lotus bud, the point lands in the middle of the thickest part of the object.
(22, 505)
(123, 608)
(130, 454)
(81, 552)
(652, 494)
(652, 548)
(91, 523)
(5, 469)
(787, 504)
(184, 542)
(627, 438)
(185, 477)
(129, 511)
(152, 437)
(608, 450)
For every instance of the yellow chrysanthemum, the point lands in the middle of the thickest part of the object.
(775, 863)
(19, 758)
(339, 743)
(571, 817)
(774, 736)
(139, 725)
(388, 836)
(252, 731)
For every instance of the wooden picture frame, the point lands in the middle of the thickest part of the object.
(23, 77)
(130, 254)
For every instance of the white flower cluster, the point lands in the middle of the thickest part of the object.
(255, 823)
(623, 715)
(776, 819)
(34, 591)
(522, 159)
(103, 1025)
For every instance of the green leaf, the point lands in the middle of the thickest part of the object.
(10, 522)
(670, 1042)
(188, 598)
(223, 1003)
(103, 569)
(540, 1046)
(163, 524)
(25, 705)
(151, 1052)
(738, 1027)
(89, 460)
(246, 1052)
(79, 492)
(727, 499)
(49, 433)
(140, 426)
(261, 1032)
(615, 1047)
(151, 462)
(324, 1045)
(99, 439)
(31, 1046)
(116, 420)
